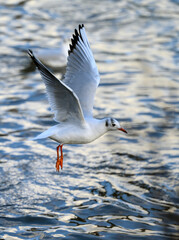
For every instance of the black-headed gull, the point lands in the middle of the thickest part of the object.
(72, 99)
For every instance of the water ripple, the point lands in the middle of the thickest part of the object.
(120, 186)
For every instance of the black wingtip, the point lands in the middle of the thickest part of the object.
(34, 59)
(81, 26)
(75, 38)
(29, 51)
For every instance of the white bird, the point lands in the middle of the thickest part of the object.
(72, 99)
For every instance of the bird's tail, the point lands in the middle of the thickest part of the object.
(42, 135)
(48, 133)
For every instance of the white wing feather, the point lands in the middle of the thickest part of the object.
(63, 101)
(82, 74)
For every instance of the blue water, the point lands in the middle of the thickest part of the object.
(120, 186)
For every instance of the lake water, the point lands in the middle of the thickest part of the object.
(120, 186)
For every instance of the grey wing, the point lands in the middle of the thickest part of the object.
(82, 74)
(63, 101)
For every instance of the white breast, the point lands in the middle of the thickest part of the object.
(75, 134)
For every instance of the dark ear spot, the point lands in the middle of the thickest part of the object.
(106, 124)
(112, 122)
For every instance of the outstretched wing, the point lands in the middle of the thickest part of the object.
(63, 101)
(82, 74)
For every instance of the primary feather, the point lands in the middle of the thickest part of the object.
(82, 74)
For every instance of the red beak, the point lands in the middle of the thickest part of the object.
(122, 129)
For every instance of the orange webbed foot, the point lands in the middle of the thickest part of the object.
(59, 163)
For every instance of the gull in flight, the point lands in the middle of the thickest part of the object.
(72, 98)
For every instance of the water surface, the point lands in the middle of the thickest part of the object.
(120, 186)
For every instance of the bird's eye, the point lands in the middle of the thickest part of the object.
(113, 124)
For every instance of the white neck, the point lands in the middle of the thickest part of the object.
(97, 126)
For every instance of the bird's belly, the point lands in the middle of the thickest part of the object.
(73, 136)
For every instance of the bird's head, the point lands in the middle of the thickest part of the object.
(112, 125)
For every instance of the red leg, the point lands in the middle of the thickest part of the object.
(59, 161)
